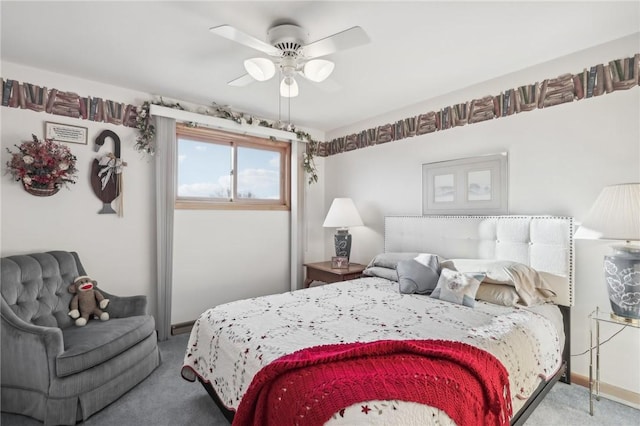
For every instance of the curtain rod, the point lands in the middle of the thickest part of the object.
(223, 124)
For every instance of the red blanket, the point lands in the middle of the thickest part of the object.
(309, 386)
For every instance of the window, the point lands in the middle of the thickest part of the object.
(220, 170)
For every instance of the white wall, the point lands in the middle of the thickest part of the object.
(118, 252)
(314, 212)
(559, 160)
(221, 256)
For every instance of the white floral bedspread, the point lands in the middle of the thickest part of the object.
(230, 343)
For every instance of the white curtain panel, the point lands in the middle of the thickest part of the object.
(165, 157)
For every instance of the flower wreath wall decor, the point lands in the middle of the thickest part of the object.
(43, 166)
(146, 130)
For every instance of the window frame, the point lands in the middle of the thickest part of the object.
(220, 137)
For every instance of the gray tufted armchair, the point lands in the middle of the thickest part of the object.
(53, 370)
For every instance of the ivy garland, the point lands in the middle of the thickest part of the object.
(307, 157)
(147, 131)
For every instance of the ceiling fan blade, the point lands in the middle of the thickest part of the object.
(234, 34)
(353, 37)
(241, 81)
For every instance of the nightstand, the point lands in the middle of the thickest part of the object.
(595, 318)
(322, 271)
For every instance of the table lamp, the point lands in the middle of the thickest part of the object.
(615, 215)
(341, 215)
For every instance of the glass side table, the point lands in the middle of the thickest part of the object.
(595, 318)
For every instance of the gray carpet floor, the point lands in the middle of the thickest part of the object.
(165, 398)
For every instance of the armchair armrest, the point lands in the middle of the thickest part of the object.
(122, 307)
(28, 344)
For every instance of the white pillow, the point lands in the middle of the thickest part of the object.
(498, 294)
(531, 288)
(559, 285)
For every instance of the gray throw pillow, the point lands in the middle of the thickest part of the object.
(416, 277)
(390, 260)
(377, 271)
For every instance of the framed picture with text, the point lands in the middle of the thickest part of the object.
(65, 133)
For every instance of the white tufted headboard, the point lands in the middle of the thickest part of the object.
(543, 242)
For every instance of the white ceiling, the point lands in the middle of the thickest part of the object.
(418, 49)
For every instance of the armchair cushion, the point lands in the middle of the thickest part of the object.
(100, 341)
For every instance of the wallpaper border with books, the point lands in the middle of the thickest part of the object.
(618, 74)
(69, 104)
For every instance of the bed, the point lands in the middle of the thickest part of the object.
(364, 351)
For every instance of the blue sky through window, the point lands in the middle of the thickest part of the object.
(258, 173)
(203, 171)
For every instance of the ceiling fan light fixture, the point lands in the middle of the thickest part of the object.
(318, 69)
(288, 87)
(261, 69)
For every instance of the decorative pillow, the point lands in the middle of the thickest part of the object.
(498, 294)
(419, 275)
(527, 282)
(457, 287)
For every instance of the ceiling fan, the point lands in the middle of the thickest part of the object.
(292, 55)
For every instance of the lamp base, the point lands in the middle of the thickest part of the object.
(622, 276)
(632, 321)
(342, 242)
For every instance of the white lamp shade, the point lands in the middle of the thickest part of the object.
(342, 214)
(615, 215)
(318, 69)
(289, 87)
(262, 69)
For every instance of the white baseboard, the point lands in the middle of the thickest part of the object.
(614, 393)
(183, 327)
